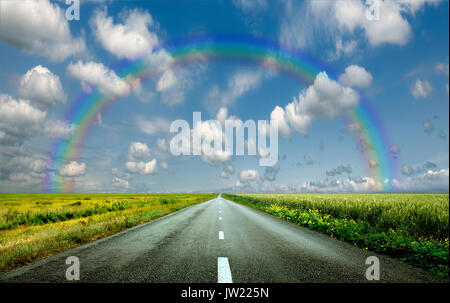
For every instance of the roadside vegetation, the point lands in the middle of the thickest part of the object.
(411, 227)
(34, 226)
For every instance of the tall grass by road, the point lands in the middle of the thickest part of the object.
(34, 226)
(412, 227)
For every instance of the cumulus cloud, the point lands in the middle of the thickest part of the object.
(248, 175)
(356, 76)
(138, 150)
(73, 169)
(19, 119)
(42, 87)
(426, 182)
(216, 157)
(226, 171)
(120, 180)
(127, 39)
(58, 129)
(141, 167)
(363, 184)
(392, 26)
(38, 27)
(122, 175)
(120, 183)
(278, 114)
(340, 23)
(134, 34)
(96, 74)
(410, 170)
(421, 89)
(325, 98)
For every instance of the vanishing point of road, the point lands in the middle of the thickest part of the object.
(218, 241)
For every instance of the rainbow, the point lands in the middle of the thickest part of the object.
(84, 110)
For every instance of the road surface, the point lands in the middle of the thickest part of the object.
(218, 241)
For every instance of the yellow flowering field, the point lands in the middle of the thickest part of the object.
(34, 226)
(412, 227)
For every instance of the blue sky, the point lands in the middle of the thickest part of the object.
(399, 62)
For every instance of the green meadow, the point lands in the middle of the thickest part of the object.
(411, 227)
(34, 226)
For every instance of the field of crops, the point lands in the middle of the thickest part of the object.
(412, 227)
(33, 226)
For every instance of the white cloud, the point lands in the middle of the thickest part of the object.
(226, 171)
(120, 183)
(73, 169)
(38, 27)
(19, 121)
(127, 39)
(325, 98)
(428, 181)
(360, 184)
(248, 175)
(42, 87)
(421, 89)
(27, 164)
(116, 172)
(222, 114)
(19, 112)
(167, 81)
(392, 27)
(154, 126)
(138, 150)
(217, 157)
(58, 129)
(356, 76)
(93, 73)
(279, 115)
(341, 25)
(142, 167)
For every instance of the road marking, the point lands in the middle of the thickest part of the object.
(220, 211)
(221, 236)
(223, 270)
(220, 218)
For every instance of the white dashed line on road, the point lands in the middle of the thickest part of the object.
(221, 236)
(223, 270)
(220, 218)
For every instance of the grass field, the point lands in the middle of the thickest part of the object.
(412, 227)
(34, 226)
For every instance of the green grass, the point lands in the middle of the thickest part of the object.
(412, 227)
(34, 226)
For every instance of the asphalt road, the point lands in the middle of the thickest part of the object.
(218, 241)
